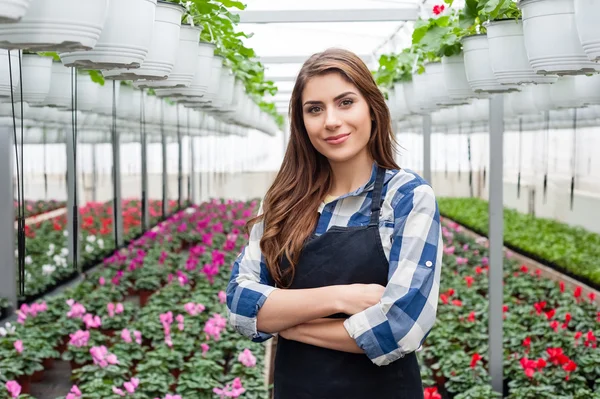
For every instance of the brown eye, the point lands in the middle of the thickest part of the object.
(314, 110)
(347, 102)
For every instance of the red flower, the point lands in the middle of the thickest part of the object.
(437, 10)
(469, 280)
(478, 270)
(476, 357)
(539, 307)
(431, 393)
(527, 342)
(541, 363)
(529, 366)
(538, 273)
(570, 366)
(457, 302)
(554, 325)
(471, 317)
(524, 269)
(592, 296)
(562, 286)
(504, 308)
(550, 314)
(444, 298)
(577, 292)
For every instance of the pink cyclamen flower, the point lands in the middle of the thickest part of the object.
(110, 307)
(247, 358)
(180, 320)
(75, 393)
(119, 308)
(222, 297)
(102, 357)
(77, 311)
(169, 396)
(118, 391)
(18, 346)
(233, 390)
(13, 388)
(205, 348)
(138, 337)
(132, 385)
(91, 321)
(79, 339)
(101, 281)
(126, 336)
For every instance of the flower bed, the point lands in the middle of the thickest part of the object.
(131, 328)
(47, 241)
(572, 250)
(34, 208)
(550, 335)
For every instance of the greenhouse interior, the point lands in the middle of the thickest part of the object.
(139, 139)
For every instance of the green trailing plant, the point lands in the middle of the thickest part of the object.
(395, 68)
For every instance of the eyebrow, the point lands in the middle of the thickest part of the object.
(335, 99)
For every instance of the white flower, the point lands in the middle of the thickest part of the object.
(91, 238)
(28, 260)
(190, 210)
(51, 247)
(101, 243)
(89, 249)
(66, 233)
(27, 276)
(64, 251)
(8, 329)
(48, 269)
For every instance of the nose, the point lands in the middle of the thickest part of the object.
(332, 121)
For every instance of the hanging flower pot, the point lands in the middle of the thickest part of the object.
(522, 102)
(59, 94)
(400, 101)
(588, 89)
(130, 102)
(551, 38)
(410, 97)
(588, 29)
(36, 73)
(424, 92)
(437, 84)
(508, 56)
(541, 97)
(87, 93)
(104, 104)
(163, 47)
(13, 10)
(185, 63)
(5, 76)
(564, 94)
(56, 25)
(478, 67)
(455, 78)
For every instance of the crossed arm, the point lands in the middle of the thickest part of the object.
(326, 333)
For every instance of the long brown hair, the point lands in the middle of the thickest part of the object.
(290, 207)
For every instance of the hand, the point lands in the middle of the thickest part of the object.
(357, 297)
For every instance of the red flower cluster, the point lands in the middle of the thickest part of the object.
(438, 9)
(431, 393)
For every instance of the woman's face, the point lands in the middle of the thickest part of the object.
(336, 117)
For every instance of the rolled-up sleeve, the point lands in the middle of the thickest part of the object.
(249, 286)
(401, 321)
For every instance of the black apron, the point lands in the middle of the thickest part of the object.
(343, 255)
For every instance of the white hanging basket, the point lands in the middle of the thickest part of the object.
(130, 102)
(37, 72)
(104, 105)
(455, 78)
(214, 81)
(424, 91)
(508, 56)
(411, 98)
(478, 67)
(400, 101)
(5, 76)
(201, 78)
(551, 38)
(124, 41)
(588, 89)
(224, 96)
(56, 25)
(185, 64)
(163, 47)
(59, 94)
(437, 83)
(588, 29)
(87, 93)
(522, 102)
(564, 94)
(13, 10)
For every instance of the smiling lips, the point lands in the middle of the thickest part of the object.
(339, 139)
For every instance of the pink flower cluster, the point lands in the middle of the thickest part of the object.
(247, 358)
(214, 326)
(79, 339)
(114, 309)
(194, 309)
(102, 357)
(92, 321)
(129, 386)
(30, 311)
(181, 277)
(77, 310)
(222, 296)
(18, 346)
(166, 319)
(169, 396)
(126, 336)
(13, 388)
(233, 390)
(75, 393)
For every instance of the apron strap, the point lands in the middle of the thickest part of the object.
(376, 198)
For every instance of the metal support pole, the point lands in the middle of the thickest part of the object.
(163, 138)
(179, 164)
(72, 205)
(118, 213)
(427, 148)
(8, 264)
(144, 145)
(193, 196)
(496, 237)
(94, 175)
(45, 144)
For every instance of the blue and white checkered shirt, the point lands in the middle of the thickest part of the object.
(412, 241)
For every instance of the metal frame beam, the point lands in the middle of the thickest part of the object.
(300, 59)
(496, 237)
(408, 13)
(281, 78)
(8, 266)
(427, 148)
(118, 213)
(72, 205)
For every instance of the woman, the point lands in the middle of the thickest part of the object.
(344, 259)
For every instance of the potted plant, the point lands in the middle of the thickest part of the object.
(162, 52)
(508, 55)
(148, 281)
(551, 38)
(587, 28)
(124, 41)
(44, 26)
(59, 94)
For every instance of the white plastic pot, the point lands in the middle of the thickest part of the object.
(424, 90)
(36, 72)
(59, 94)
(588, 89)
(411, 98)
(400, 101)
(130, 101)
(87, 93)
(13, 10)
(185, 64)
(522, 102)
(564, 94)
(163, 47)
(541, 97)
(124, 42)
(5, 76)
(224, 96)
(455, 78)
(215, 80)
(56, 25)
(551, 38)
(201, 78)
(438, 89)
(588, 29)
(478, 66)
(104, 105)
(508, 56)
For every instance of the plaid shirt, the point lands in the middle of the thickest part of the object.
(410, 231)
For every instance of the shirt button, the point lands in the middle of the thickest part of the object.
(428, 263)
